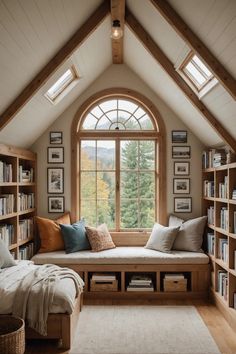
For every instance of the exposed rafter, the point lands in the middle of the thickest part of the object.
(166, 64)
(197, 45)
(118, 13)
(62, 55)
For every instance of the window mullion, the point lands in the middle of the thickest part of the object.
(117, 193)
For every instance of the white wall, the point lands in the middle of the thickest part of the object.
(119, 76)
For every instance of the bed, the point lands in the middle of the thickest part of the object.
(63, 305)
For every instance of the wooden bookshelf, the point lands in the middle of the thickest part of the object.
(224, 231)
(17, 178)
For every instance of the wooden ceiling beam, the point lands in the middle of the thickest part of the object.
(177, 23)
(49, 69)
(166, 64)
(118, 13)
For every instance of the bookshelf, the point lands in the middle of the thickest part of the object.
(219, 203)
(17, 200)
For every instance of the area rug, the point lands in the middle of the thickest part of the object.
(142, 330)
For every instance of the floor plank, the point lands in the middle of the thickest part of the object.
(222, 333)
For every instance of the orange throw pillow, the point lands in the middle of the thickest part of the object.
(50, 233)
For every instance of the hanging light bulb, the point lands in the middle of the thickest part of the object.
(116, 30)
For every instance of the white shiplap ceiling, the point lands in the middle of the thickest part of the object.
(32, 31)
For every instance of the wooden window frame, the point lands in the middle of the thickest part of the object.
(159, 135)
(189, 77)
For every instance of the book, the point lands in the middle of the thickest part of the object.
(174, 276)
(140, 288)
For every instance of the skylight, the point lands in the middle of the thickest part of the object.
(196, 71)
(61, 84)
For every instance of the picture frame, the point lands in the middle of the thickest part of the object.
(56, 138)
(181, 168)
(181, 152)
(55, 180)
(55, 154)
(181, 185)
(182, 205)
(179, 136)
(56, 204)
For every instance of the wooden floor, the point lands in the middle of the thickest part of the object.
(222, 333)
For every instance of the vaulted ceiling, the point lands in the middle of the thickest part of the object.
(32, 32)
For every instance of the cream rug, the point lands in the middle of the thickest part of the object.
(142, 330)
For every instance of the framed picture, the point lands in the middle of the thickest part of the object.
(56, 204)
(181, 168)
(182, 205)
(181, 152)
(55, 154)
(179, 136)
(181, 185)
(55, 180)
(55, 138)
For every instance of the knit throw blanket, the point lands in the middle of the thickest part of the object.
(41, 283)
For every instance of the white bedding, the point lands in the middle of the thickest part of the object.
(10, 278)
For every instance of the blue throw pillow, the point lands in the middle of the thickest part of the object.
(74, 237)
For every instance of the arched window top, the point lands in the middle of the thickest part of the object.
(118, 114)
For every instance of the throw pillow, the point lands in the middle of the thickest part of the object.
(74, 237)
(162, 238)
(190, 235)
(175, 221)
(100, 238)
(50, 233)
(6, 259)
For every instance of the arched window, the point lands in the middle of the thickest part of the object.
(116, 141)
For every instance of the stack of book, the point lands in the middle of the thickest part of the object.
(26, 252)
(26, 175)
(224, 218)
(223, 249)
(223, 188)
(25, 228)
(211, 243)
(219, 158)
(140, 282)
(7, 234)
(208, 188)
(5, 172)
(223, 283)
(211, 215)
(234, 194)
(6, 204)
(26, 201)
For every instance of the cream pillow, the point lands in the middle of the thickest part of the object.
(190, 235)
(162, 238)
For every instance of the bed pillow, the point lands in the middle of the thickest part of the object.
(50, 233)
(190, 235)
(99, 238)
(74, 237)
(6, 259)
(162, 238)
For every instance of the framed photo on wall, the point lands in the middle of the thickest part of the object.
(182, 205)
(55, 180)
(55, 154)
(55, 138)
(181, 152)
(181, 185)
(181, 168)
(56, 204)
(179, 136)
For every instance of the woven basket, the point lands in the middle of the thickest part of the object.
(12, 335)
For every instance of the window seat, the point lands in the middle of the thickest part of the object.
(122, 255)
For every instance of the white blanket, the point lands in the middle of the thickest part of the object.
(34, 291)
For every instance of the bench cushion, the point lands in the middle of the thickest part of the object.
(122, 255)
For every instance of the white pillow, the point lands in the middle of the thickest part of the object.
(175, 221)
(6, 259)
(162, 238)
